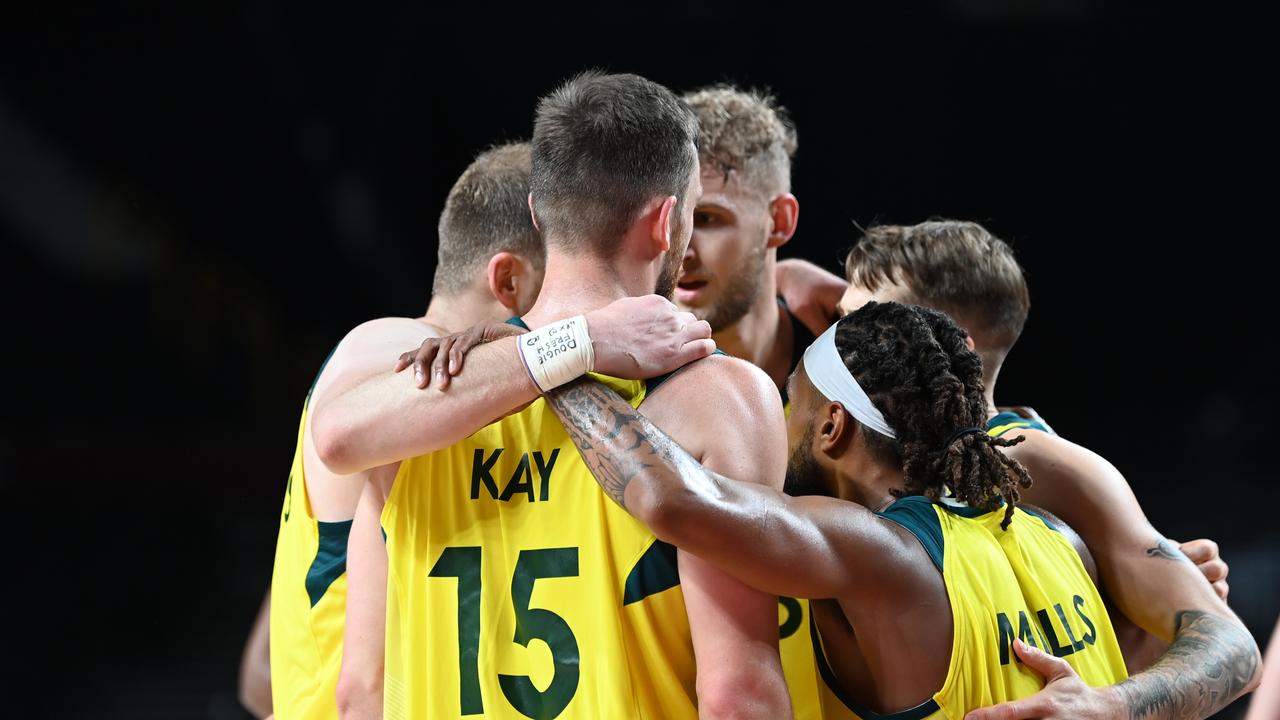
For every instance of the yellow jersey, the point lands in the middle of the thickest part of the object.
(517, 588)
(308, 603)
(1026, 582)
(795, 643)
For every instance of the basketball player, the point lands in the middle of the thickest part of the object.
(491, 261)
(728, 275)
(900, 510)
(500, 537)
(961, 269)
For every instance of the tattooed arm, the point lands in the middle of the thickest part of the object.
(1205, 642)
(1211, 660)
(1208, 643)
(701, 511)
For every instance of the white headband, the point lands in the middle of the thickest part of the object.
(829, 375)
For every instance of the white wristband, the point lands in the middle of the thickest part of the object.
(558, 353)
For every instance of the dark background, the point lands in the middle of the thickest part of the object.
(198, 199)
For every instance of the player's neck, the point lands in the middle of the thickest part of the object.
(867, 482)
(764, 335)
(989, 386)
(579, 282)
(457, 313)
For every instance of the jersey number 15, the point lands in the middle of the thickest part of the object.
(463, 563)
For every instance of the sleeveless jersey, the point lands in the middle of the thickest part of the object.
(518, 588)
(1026, 582)
(308, 603)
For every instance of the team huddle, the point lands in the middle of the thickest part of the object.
(630, 464)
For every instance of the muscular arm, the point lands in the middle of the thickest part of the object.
(1212, 659)
(366, 352)
(750, 530)
(734, 625)
(386, 418)
(812, 294)
(364, 637)
(1204, 669)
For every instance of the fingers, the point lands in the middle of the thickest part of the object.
(695, 330)
(1015, 710)
(1052, 668)
(468, 340)
(694, 350)
(459, 351)
(439, 366)
(1222, 589)
(422, 361)
(1200, 551)
(1214, 570)
(405, 360)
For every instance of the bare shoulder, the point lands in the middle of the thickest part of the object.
(388, 329)
(727, 414)
(371, 347)
(1065, 474)
(719, 381)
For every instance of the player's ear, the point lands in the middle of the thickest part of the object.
(527, 281)
(506, 273)
(833, 430)
(784, 211)
(658, 215)
(968, 342)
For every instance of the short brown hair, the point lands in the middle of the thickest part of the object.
(487, 212)
(747, 132)
(603, 146)
(954, 266)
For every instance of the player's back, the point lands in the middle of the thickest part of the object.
(1025, 582)
(518, 588)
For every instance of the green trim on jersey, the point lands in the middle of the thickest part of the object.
(916, 515)
(657, 570)
(316, 380)
(923, 710)
(331, 558)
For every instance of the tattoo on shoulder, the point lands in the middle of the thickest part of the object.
(1210, 663)
(1167, 550)
(589, 411)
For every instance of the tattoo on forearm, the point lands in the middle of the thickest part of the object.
(1165, 549)
(1210, 663)
(616, 442)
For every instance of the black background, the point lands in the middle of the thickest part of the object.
(198, 199)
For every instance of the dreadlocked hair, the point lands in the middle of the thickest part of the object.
(916, 368)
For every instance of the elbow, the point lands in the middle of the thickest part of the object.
(1246, 662)
(742, 694)
(663, 512)
(333, 444)
(254, 694)
(359, 695)
(1256, 664)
